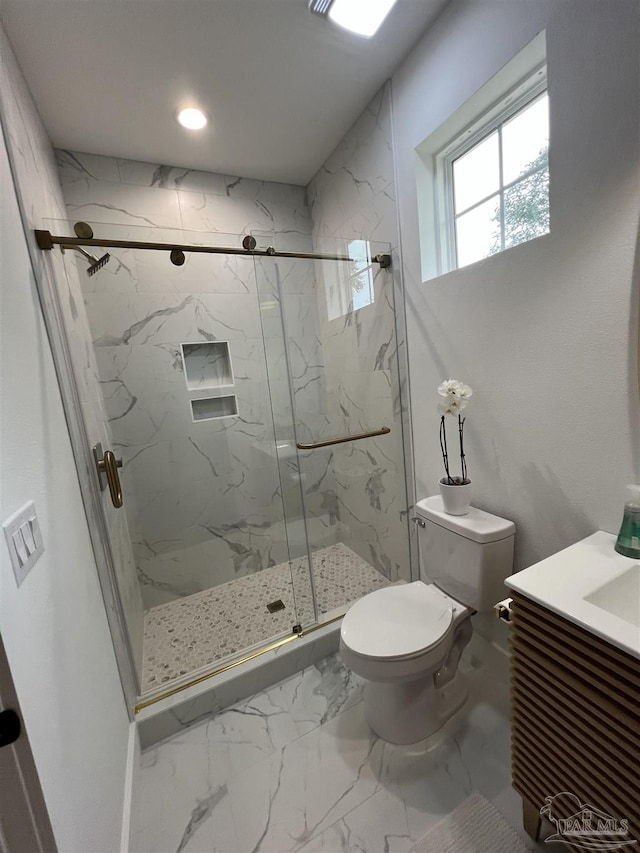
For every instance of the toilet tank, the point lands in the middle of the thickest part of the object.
(467, 556)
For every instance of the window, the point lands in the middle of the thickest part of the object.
(500, 185)
(349, 287)
(482, 175)
(362, 292)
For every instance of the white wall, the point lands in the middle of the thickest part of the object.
(545, 333)
(41, 198)
(54, 626)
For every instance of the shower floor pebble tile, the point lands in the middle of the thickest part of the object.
(193, 632)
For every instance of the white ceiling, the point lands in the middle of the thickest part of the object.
(281, 85)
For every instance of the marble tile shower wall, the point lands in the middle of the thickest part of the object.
(353, 196)
(203, 500)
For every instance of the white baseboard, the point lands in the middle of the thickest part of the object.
(133, 762)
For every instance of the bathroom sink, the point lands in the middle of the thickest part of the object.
(620, 596)
(591, 585)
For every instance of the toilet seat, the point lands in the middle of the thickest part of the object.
(397, 622)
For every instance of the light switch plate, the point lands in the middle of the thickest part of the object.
(24, 540)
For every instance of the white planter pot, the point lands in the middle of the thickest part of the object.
(455, 498)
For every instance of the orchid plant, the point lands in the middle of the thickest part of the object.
(455, 397)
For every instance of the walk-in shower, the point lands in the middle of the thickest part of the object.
(250, 424)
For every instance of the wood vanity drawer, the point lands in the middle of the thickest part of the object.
(575, 715)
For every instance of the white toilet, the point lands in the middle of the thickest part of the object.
(406, 640)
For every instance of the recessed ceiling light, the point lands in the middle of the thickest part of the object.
(359, 16)
(191, 118)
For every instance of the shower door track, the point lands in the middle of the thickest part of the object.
(155, 699)
(46, 240)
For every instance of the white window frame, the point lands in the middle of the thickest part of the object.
(519, 81)
(522, 96)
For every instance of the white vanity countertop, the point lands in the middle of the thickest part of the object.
(591, 585)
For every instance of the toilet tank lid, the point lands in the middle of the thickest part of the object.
(478, 525)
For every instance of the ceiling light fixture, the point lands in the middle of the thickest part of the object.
(191, 118)
(363, 17)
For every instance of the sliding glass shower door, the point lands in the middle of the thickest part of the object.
(255, 404)
(332, 359)
(210, 555)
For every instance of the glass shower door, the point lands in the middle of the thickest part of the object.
(204, 547)
(338, 325)
(289, 342)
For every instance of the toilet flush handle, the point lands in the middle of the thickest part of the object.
(419, 521)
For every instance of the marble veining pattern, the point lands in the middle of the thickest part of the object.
(193, 632)
(353, 197)
(205, 502)
(296, 768)
(200, 498)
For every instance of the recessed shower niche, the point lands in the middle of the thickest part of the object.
(212, 408)
(207, 365)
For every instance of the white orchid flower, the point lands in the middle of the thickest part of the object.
(448, 387)
(449, 406)
(456, 396)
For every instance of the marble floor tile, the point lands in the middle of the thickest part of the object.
(192, 632)
(183, 788)
(380, 823)
(307, 786)
(184, 780)
(296, 768)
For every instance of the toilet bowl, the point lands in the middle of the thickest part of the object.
(406, 640)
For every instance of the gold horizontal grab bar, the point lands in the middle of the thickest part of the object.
(358, 436)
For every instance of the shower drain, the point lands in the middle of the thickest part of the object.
(274, 606)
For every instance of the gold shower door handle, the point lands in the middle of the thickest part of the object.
(358, 436)
(107, 466)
